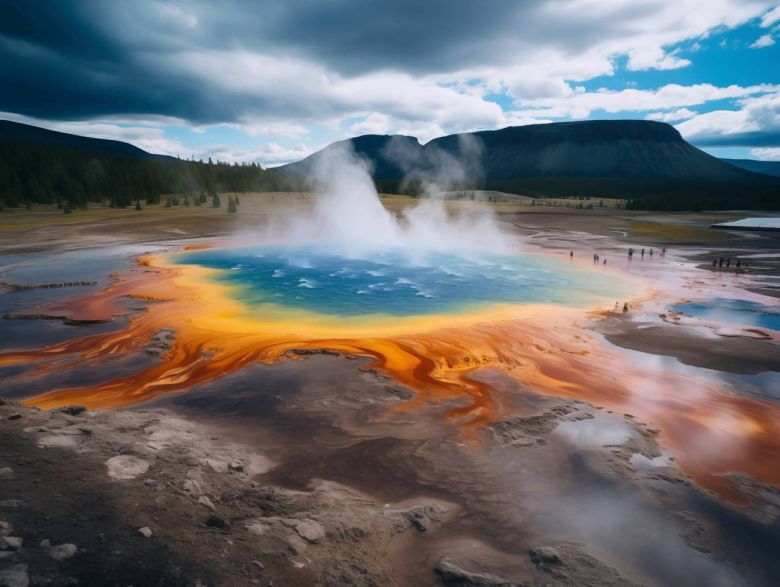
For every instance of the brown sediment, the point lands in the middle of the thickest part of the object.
(713, 432)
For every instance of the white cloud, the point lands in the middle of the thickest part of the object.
(373, 124)
(766, 153)
(297, 93)
(261, 128)
(529, 88)
(673, 116)
(756, 114)
(763, 41)
(267, 154)
(666, 97)
(654, 58)
(644, 33)
(771, 17)
(283, 93)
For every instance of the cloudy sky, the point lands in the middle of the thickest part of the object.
(270, 82)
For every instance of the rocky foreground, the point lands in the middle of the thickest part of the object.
(149, 498)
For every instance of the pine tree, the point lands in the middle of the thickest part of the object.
(232, 209)
(215, 201)
(138, 205)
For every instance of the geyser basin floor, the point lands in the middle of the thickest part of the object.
(223, 323)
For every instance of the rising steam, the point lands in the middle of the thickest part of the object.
(348, 216)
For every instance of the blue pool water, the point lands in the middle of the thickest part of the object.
(728, 311)
(389, 283)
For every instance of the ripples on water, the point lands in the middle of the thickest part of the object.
(390, 282)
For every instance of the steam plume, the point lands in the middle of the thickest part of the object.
(349, 217)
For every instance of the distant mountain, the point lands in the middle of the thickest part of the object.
(25, 133)
(765, 167)
(645, 161)
(597, 148)
(47, 167)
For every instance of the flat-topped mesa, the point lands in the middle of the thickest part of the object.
(628, 149)
(599, 148)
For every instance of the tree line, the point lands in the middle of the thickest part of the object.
(72, 178)
(640, 194)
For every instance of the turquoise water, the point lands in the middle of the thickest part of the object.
(389, 283)
(726, 311)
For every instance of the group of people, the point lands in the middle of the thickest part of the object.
(631, 252)
(720, 261)
(650, 252)
(625, 307)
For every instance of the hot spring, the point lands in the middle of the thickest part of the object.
(391, 282)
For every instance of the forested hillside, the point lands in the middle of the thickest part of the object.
(51, 167)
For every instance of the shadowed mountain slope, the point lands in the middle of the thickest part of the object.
(646, 162)
(599, 148)
(765, 167)
(25, 133)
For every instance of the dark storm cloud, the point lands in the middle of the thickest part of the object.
(257, 63)
(74, 59)
(437, 35)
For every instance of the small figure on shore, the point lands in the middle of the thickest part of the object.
(630, 253)
(720, 262)
(605, 261)
(715, 262)
(571, 254)
(651, 252)
(739, 266)
(728, 262)
(643, 253)
(617, 305)
(625, 307)
(663, 252)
